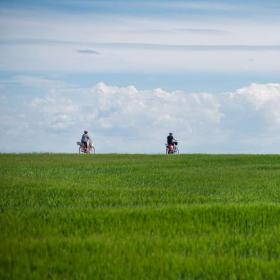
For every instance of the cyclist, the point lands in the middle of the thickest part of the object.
(85, 140)
(170, 142)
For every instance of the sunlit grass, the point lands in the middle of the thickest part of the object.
(139, 217)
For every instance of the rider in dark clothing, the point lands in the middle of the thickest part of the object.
(170, 139)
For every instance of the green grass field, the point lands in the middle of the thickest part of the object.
(139, 217)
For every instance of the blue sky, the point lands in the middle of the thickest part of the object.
(68, 51)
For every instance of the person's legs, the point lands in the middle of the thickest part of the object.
(85, 145)
(170, 149)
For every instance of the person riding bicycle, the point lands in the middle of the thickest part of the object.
(85, 139)
(171, 142)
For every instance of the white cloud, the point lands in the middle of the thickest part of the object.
(38, 82)
(60, 58)
(263, 99)
(49, 42)
(58, 113)
(125, 119)
(85, 28)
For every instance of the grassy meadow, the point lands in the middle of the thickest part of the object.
(139, 216)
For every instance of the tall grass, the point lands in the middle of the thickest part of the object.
(139, 217)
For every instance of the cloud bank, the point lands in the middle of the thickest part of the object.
(129, 120)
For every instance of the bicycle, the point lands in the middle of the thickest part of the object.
(83, 150)
(172, 149)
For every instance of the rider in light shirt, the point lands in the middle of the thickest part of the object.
(85, 139)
